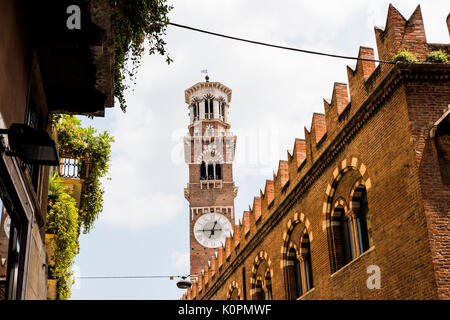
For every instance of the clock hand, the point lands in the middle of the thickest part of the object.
(212, 230)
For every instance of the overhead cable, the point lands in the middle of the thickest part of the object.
(277, 46)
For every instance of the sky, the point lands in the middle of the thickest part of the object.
(144, 227)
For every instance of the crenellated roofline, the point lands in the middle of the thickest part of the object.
(349, 109)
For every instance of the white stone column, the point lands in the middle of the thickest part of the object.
(191, 113)
(201, 106)
(226, 114)
(216, 109)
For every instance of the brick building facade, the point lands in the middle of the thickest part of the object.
(45, 68)
(361, 207)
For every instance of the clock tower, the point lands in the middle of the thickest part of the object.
(209, 151)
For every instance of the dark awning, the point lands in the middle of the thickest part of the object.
(76, 65)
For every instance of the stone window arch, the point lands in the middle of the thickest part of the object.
(234, 293)
(261, 278)
(211, 164)
(345, 213)
(293, 274)
(296, 256)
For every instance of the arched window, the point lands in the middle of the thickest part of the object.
(210, 171)
(306, 253)
(259, 293)
(211, 107)
(341, 238)
(362, 219)
(294, 275)
(218, 171)
(347, 218)
(203, 175)
(347, 239)
(206, 108)
(268, 282)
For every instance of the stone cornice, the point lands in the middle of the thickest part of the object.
(200, 85)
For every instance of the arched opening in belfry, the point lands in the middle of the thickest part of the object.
(218, 171)
(203, 174)
(210, 171)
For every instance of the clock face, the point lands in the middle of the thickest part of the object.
(210, 230)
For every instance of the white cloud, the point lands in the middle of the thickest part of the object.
(275, 92)
(140, 212)
(181, 260)
(141, 193)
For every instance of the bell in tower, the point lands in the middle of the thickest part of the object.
(209, 153)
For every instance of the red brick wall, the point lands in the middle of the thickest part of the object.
(426, 103)
(381, 139)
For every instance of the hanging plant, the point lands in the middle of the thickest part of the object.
(85, 145)
(135, 21)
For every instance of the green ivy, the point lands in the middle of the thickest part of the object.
(63, 221)
(86, 145)
(135, 21)
(405, 56)
(55, 186)
(437, 56)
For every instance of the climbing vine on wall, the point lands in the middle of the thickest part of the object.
(87, 146)
(64, 219)
(63, 222)
(134, 22)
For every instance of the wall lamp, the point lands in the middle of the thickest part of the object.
(30, 145)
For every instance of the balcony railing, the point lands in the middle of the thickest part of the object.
(74, 168)
(70, 168)
(209, 184)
